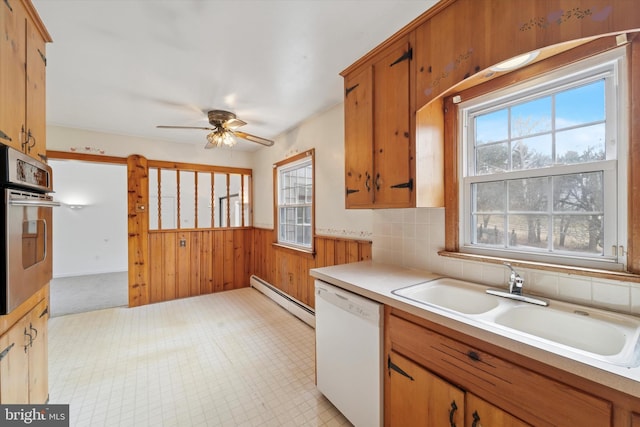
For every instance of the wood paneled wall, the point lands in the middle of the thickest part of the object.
(288, 270)
(189, 263)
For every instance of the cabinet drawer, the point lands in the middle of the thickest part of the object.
(531, 396)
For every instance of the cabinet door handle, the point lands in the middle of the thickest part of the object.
(452, 413)
(26, 346)
(8, 5)
(6, 351)
(377, 182)
(367, 182)
(45, 311)
(393, 366)
(350, 191)
(35, 333)
(476, 419)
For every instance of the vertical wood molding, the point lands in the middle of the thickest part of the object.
(633, 255)
(138, 225)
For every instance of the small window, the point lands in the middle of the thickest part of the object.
(294, 200)
(540, 174)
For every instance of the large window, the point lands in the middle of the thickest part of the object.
(540, 174)
(294, 190)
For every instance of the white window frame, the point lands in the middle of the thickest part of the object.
(306, 160)
(612, 65)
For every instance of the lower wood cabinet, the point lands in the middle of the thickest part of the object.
(434, 380)
(417, 397)
(24, 360)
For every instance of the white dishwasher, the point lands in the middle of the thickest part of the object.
(349, 353)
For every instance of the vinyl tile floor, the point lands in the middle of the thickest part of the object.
(228, 359)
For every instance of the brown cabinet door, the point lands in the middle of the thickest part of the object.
(483, 414)
(393, 153)
(419, 398)
(38, 354)
(12, 72)
(14, 365)
(36, 100)
(358, 139)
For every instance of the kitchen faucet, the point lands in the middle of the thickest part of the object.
(515, 281)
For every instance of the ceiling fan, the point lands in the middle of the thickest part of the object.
(223, 132)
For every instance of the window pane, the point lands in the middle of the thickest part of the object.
(235, 207)
(204, 200)
(528, 195)
(168, 205)
(153, 199)
(492, 158)
(531, 117)
(187, 199)
(490, 196)
(584, 104)
(492, 127)
(583, 192)
(532, 153)
(581, 145)
(529, 231)
(246, 199)
(489, 229)
(220, 196)
(579, 233)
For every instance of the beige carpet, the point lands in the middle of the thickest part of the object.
(79, 294)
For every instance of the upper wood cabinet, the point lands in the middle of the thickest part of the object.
(22, 78)
(379, 144)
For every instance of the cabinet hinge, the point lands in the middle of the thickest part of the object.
(408, 54)
(348, 90)
(8, 5)
(396, 368)
(4, 136)
(349, 191)
(43, 57)
(408, 185)
(6, 351)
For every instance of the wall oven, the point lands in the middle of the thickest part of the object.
(26, 220)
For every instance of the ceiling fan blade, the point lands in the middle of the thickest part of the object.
(253, 138)
(232, 124)
(184, 127)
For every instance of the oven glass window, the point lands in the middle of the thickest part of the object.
(33, 242)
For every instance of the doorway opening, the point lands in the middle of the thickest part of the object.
(90, 237)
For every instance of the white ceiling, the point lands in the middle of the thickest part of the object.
(125, 66)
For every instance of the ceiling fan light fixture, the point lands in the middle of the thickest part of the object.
(220, 137)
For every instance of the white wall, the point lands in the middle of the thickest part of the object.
(92, 239)
(325, 133)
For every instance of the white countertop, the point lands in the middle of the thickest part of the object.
(376, 281)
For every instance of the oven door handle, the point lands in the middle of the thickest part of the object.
(36, 203)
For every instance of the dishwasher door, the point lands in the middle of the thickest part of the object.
(349, 353)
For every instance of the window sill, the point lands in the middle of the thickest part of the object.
(307, 253)
(578, 271)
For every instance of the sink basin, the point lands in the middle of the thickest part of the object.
(604, 335)
(450, 294)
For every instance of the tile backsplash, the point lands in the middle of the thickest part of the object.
(413, 237)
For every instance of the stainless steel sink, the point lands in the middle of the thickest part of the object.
(450, 294)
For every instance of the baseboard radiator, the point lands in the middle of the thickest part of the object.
(292, 305)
